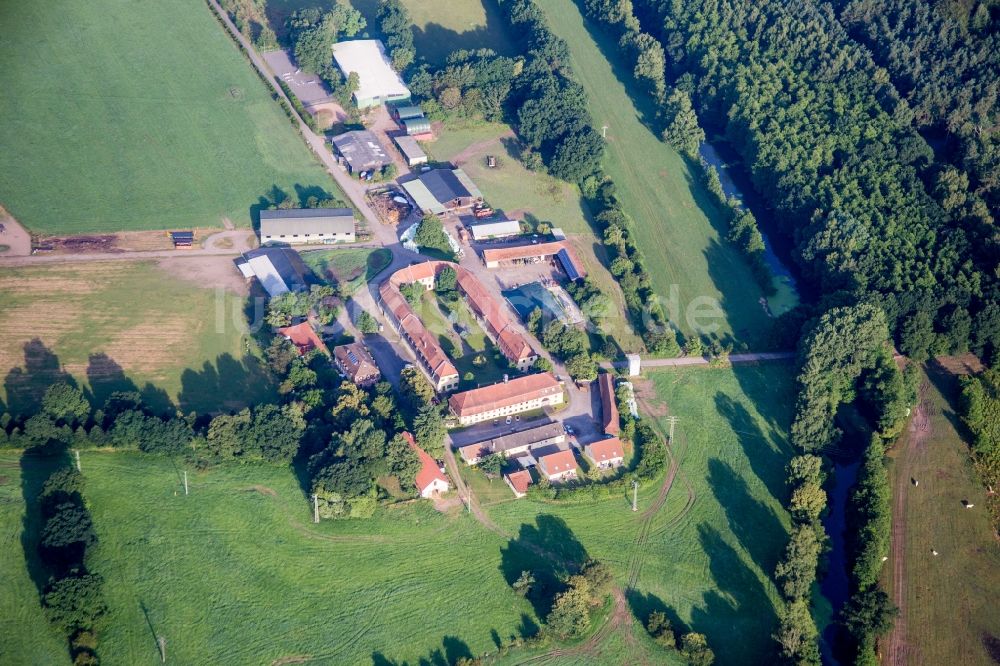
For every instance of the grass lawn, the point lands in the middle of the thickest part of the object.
(354, 267)
(236, 573)
(26, 637)
(128, 325)
(475, 344)
(678, 229)
(949, 602)
(122, 116)
(707, 564)
(467, 24)
(522, 193)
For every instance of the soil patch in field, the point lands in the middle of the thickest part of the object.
(263, 490)
(13, 237)
(206, 271)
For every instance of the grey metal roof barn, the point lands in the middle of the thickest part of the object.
(439, 190)
(278, 269)
(306, 221)
(361, 150)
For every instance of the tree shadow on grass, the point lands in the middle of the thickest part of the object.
(767, 460)
(756, 525)
(451, 651)
(105, 377)
(26, 385)
(227, 385)
(644, 605)
(550, 552)
(739, 611)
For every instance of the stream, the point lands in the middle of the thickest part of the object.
(736, 185)
(835, 585)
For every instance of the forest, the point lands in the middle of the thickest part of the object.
(831, 145)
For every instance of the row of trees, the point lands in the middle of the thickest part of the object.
(676, 116)
(73, 596)
(844, 358)
(869, 613)
(394, 22)
(829, 145)
(981, 413)
(796, 572)
(311, 34)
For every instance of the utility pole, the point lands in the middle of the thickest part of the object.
(185, 482)
(635, 495)
(77, 452)
(315, 508)
(163, 649)
(672, 420)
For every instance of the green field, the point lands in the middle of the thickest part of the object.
(353, 267)
(522, 194)
(121, 115)
(129, 326)
(708, 564)
(948, 602)
(236, 573)
(679, 230)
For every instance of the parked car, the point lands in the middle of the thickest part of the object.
(508, 420)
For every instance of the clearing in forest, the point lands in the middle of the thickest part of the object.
(679, 230)
(947, 605)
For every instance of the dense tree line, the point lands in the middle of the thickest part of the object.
(944, 58)
(73, 596)
(869, 613)
(830, 145)
(796, 572)
(678, 121)
(397, 28)
(981, 413)
(311, 34)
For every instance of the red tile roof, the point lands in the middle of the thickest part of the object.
(504, 394)
(303, 337)
(557, 463)
(514, 346)
(529, 251)
(609, 404)
(605, 450)
(519, 481)
(424, 344)
(429, 470)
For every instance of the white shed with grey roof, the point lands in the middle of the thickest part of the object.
(299, 226)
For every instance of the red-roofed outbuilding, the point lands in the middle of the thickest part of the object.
(303, 337)
(430, 479)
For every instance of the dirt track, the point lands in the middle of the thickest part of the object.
(897, 650)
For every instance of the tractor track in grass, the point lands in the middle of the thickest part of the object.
(620, 619)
